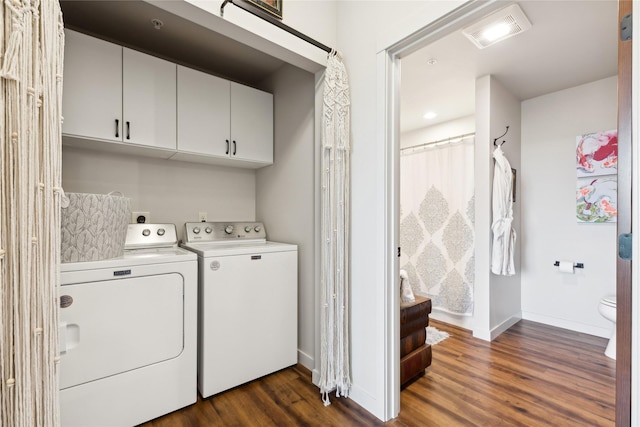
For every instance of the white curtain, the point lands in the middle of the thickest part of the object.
(334, 335)
(31, 43)
(437, 223)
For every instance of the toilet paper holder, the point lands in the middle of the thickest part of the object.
(575, 264)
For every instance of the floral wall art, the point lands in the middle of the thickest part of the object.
(597, 184)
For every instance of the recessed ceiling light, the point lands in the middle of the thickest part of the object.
(430, 115)
(432, 61)
(498, 26)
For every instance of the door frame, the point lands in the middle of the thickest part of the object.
(388, 66)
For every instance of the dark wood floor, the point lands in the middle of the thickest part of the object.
(531, 375)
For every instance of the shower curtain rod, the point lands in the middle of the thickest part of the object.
(458, 138)
(271, 19)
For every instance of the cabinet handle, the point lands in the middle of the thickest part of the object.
(117, 128)
(128, 130)
(234, 148)
(227, 141)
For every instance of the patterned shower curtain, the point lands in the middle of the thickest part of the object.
(31, 56)
(437, 224)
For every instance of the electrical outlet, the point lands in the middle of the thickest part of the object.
(140, 217)
(202, 216)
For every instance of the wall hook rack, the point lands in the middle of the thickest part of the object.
(494, 141)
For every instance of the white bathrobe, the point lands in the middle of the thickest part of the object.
(504, 237)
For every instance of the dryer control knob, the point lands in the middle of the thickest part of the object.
(208, 230)
(247, 229)
(257, 228)
(196, 230)
(161, 231)
(146, 232)
(228, 229)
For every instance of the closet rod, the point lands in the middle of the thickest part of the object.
(273, 20)
(440, 141)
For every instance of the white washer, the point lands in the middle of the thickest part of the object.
(247, 303)
(128, 332)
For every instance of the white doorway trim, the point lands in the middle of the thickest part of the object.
(388, 128)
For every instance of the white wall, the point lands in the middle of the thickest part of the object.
(497, 298)
(285, 190)
(506, 290)
(437, 132)
(172, 191)
(550, 231)
(316, 19)
(364, 29)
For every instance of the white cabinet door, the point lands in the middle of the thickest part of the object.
(92, 92)
(251, 124)
(149, 100)
(203, 113)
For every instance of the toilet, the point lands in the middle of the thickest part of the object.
(607, 309)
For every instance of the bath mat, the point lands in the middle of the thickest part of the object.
(434, 336)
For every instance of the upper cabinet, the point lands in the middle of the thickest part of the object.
(148, 100)
(223, 119)
(203, 113)
(251, 124)
(148, 106)
(117, 94)
(92, 92)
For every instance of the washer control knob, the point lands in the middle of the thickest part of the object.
(247, 229)
(228, 229)
(146, 232)
(208, 230)
(160, 231)
(196, 230)
(257, 228)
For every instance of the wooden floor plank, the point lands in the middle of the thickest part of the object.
(531, 375)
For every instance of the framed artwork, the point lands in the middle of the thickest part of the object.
(273, 7)
(597, 185)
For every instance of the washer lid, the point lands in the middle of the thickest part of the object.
(609, 300)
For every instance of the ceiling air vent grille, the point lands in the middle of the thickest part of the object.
(497, 26)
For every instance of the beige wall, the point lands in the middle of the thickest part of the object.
(285, 190)
(172, 191)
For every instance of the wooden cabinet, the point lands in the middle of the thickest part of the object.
(223, 119)
(117, 94)
(415, 354)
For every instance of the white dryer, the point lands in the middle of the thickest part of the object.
(128, 332)
(247, 303)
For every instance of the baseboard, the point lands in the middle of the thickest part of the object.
(306, 360)
(465, 322)
(568, 324)
(497, 330)
(493, 333)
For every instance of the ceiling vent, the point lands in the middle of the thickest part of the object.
(498, 26)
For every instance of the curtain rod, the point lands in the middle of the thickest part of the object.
(457, 138)
(273, 20)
